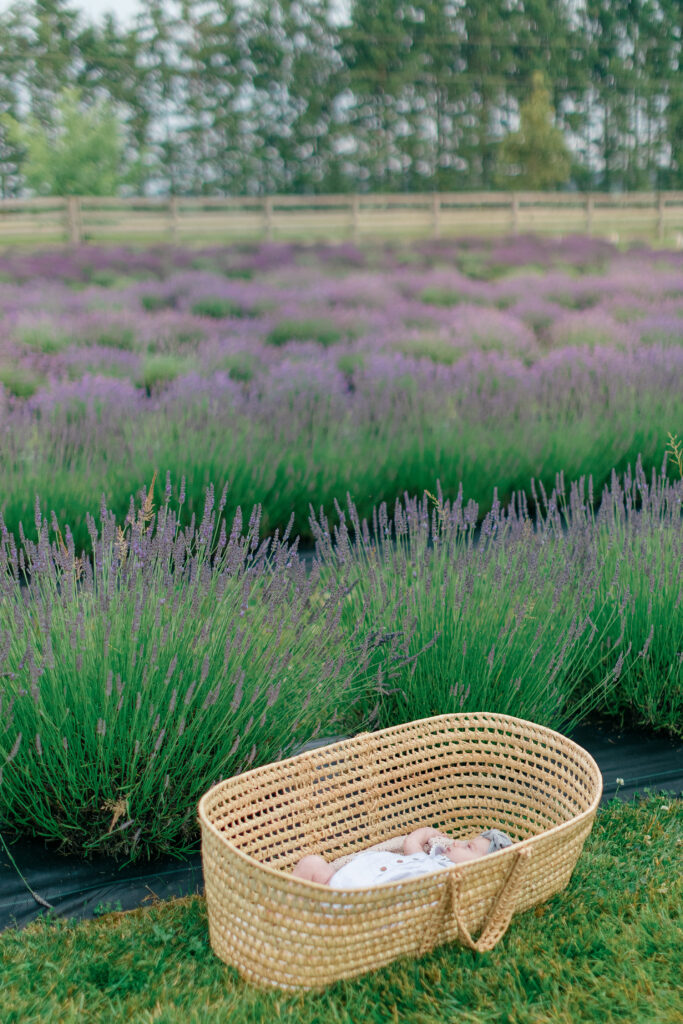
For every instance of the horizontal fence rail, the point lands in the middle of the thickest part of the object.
(93, 219)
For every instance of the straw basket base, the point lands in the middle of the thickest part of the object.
(461, 773)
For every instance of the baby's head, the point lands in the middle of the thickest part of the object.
(459, 850)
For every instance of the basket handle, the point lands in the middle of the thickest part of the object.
(502, 908)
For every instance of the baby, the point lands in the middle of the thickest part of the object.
(425, 850)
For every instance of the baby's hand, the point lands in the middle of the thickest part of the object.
(417, 841)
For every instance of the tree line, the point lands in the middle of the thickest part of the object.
(305, 96)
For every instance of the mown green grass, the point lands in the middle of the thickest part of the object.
(607, 949)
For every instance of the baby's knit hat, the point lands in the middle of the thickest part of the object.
(497, 840)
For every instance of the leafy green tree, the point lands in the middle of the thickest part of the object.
(545, 36)
(489, 70)
(535, 156)
(79, 153)
(672, 175)
(199, 75)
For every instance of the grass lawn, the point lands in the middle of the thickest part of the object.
(607, 949)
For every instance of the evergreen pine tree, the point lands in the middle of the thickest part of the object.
(535, 156)
(382, 60)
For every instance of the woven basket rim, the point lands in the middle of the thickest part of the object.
(524, 844)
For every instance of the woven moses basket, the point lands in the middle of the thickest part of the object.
(462, 773)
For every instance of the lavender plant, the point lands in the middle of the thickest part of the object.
(158, 370)
(641, 551)
(513, 617)
(545, 618)
(179, 656)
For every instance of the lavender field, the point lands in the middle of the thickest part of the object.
(299, 374)
(163, 412)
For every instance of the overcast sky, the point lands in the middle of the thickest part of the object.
(125, 10)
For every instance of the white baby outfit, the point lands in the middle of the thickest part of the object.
(379, 867)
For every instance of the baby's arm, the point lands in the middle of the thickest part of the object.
(415, 842)
(313, 868)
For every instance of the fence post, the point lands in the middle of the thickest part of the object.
(173, 218)
(74, 225)
(436, 215)
(514, 211)
(268, 217)
(661, 202)
(589, 213)
(355, 218)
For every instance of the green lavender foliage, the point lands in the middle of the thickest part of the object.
(641, 551)
(324, 332)
(179, 657)
(543, 619)
(282, 455)
(44, 337)
(218, 308)
(159, 369)
(20, 381)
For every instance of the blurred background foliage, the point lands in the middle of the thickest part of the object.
(306, 96)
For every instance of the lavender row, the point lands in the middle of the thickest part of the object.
(198, 321)
(130, 683)
(547, 617)
(314, 434)
(298, 374)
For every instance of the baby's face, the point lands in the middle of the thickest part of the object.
(468, 849)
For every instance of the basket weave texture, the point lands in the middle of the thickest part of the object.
(461, 773)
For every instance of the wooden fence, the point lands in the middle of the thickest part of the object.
(655, 216)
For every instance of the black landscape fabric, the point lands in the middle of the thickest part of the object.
(75, 888)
